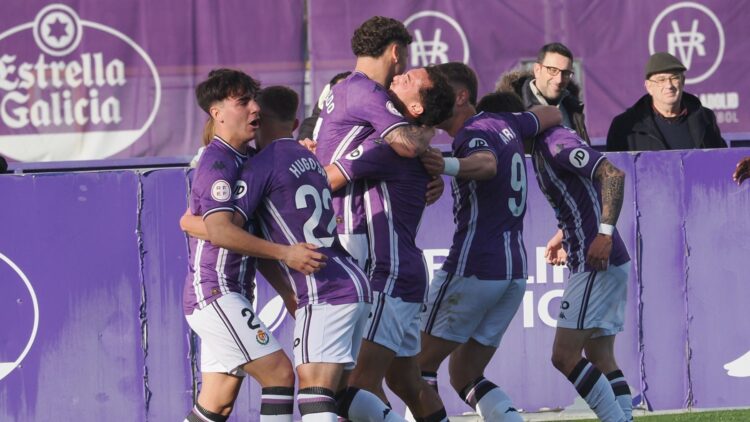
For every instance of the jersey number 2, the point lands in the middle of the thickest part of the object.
(321, 201)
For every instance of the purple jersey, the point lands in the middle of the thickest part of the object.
(215, 271)
(394, 202)
(565, 166)
(488, 242)
(288, 191)
(356, 109)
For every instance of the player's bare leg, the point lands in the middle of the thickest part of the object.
(404, 379)
(275, 375)
(601, 352)
(588, 380)
(467, 364)
(217, 396)
(317, 383)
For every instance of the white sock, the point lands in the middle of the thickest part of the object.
(276, 404)
(316, 404)
(622, 393)
(594, 387)
(365, 406)
(490, 401)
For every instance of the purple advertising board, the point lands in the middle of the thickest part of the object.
(94, 263)
(85, 80)
(610, 41)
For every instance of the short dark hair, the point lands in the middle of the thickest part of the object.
(501, 102)
(279, 102)
(437, 99)
(459, 73)
(554, 47)
(376, 33)
(339, 77)
(226, 83)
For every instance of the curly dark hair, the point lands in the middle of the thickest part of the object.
(459, 73)
(279, 102)
(437, 99)
(226, 83)
(501, 102)
(376, 33)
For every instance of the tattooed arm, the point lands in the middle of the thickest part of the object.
(612, 182)
(409, 140)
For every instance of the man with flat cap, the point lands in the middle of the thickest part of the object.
(667, 117)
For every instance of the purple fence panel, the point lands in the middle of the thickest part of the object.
(163, 267)
(659, 186)
(717, 226)
(73, 238)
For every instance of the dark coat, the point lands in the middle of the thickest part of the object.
(636, 130)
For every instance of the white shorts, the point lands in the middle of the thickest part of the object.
(459, 308)
(596, 300)
(357, 246)
(325, 333)
(394, 324)
(231, 334)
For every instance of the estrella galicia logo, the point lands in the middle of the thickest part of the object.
(693, 33)
(438, 38)
(72, 89)
(20, 300)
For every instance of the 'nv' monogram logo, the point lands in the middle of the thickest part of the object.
(692, 33)
(438, 38)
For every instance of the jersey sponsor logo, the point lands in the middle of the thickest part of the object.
(693, 33)
(477, 143)
(221, 191)
(65, 93)
(392, 109)
(355, 154)
(579, 157)
(240, 189)
(262, 337)
(20, 299)
(438, 38)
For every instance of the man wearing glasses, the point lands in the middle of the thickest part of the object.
(667, 117)
(550, 84)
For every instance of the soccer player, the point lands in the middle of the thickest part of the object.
(358, 108)
(475, 295)
(217, 296)
(394, 201)
(586, 192)
(288, 191)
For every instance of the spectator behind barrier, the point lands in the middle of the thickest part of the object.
(666, 117)
(550, 84)
(308, 125)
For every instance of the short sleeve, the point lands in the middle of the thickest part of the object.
(578, 157)
(370, 103)
(371, 160)
(253, 183)
(213, 182)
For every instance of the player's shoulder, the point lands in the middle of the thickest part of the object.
(559, 138)
(360, 87)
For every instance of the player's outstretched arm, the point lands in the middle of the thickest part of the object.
(193, 225)
(554, 252)
(223, 233)
(742, 171)
(480, 165)
(336, 177)
(612, 182)
(275, 277)
(409, 140)
(548, 116)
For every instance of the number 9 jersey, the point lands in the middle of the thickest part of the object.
(288, 191)
(488, 242)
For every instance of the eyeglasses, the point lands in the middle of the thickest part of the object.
(553, 71)
(664, 80)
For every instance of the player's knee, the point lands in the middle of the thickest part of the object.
(562, 360)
